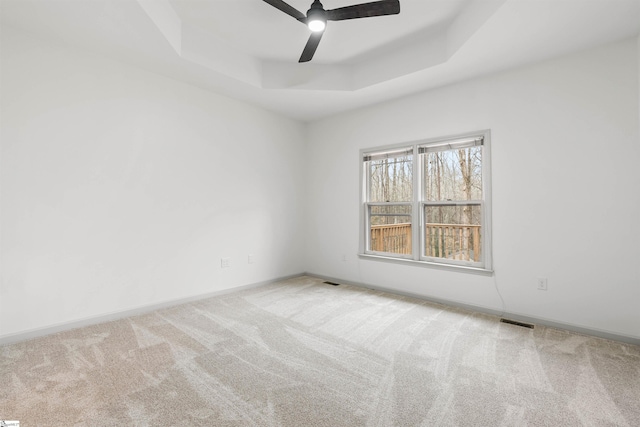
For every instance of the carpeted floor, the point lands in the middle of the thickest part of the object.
(304, 353)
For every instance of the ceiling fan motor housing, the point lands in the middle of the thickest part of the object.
(316, 12)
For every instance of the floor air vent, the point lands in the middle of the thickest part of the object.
(513, 322)
(332, 283)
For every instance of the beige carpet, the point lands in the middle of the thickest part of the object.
(304, 353)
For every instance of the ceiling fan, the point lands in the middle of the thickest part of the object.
(316, 17)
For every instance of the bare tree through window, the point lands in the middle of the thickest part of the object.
(453, 196)
(391, 192)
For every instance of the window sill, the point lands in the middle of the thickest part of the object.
(449, 267)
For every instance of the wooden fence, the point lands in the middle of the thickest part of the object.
(450, 241)
(393, 238)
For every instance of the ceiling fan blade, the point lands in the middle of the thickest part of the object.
(311, 47)
(365, 10)
(286, 8)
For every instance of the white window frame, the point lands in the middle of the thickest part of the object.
(417, 257)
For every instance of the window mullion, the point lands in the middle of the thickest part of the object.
(416, 217)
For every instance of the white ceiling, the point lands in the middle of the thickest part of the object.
(249, 50)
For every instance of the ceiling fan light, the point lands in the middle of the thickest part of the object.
(316, 17)
(317, 25)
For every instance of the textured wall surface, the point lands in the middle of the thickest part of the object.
(564, 150)
(122, 188)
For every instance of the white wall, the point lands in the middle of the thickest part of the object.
(565, 188)
(122, 188)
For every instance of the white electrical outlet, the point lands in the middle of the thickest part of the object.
(542, 283)
(344, 258)
(225, 262)
(251, 259)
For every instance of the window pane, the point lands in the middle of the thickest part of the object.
(390, 228)
(453, 174)
(391, 178)
(453, 232)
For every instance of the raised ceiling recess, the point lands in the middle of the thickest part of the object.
(251, 41)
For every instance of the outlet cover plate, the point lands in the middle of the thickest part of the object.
(542, 283)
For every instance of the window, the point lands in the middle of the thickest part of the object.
(429, 202)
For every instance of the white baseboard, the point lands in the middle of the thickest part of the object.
(513, 316)
(108, 317)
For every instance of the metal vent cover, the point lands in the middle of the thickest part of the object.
(515, 322)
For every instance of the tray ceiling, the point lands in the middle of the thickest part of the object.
(249, 50)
